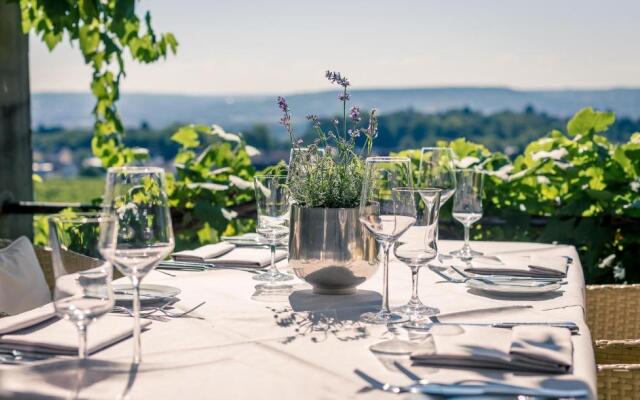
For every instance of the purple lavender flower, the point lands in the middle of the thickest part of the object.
(354, 133)
(335, 77)
(354, 113)
(344, 96)
(282, 104)
(313, 118)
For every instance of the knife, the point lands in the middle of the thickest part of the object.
(573, 328)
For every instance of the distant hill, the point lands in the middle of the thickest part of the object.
(72, 110)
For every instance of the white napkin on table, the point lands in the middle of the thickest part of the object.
(529, 266)
(523, 348)
(60, 337)
(27, 318)
(249, 257)
(205, 253)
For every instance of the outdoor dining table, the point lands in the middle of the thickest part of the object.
(246, 342)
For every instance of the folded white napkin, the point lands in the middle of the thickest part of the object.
(531, 266)
(27, 318)
(249, 257)
(60, 337)
(205, 253)
(523, 348)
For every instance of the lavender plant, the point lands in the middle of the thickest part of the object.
(329, 172)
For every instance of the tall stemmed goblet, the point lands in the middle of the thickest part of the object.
(387, 215)
(137, 197)
(417, 246)
(437, 170)
(272, 199)
(83, 278)
(467, 206)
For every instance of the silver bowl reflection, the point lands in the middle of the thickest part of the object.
(329, 248)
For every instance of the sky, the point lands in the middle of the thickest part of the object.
(262, 47)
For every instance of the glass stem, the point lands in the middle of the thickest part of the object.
(273, 269)
(415, 300)
(386, 246)
(82, 341)
(466, 236)
(137, 348)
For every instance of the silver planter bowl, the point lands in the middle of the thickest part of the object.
(330, 249)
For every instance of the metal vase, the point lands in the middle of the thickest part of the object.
(330, 249)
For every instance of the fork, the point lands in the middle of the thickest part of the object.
(162, 309)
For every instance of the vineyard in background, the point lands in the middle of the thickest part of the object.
(573, 187)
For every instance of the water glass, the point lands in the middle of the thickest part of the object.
(137, 198)
(83, 278)
(387, 214)
(418, 246)
(467, 206)
(272, 200)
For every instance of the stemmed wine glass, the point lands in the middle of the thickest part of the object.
(437, 170)
(387, 215)
(467, 206)
(417, 246)
(272, 199)
(137, 197)
(83, 279)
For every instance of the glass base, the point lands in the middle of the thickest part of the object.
(394, 347)
(466, 253)
(272, 277)
(383, 317)
(417, 312)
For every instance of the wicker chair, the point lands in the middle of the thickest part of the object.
(614, 320)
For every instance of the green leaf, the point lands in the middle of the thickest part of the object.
(52, 39)
(89, 40)
(187, 137)
(587, 121)
(171, 41)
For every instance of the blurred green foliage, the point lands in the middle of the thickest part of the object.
(103, 30)
(585, 189)
(214, 173)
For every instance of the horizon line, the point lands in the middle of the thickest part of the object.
(388, 89)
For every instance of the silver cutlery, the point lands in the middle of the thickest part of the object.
(162, 309)
(194, 266)
(507, 325)
(488, 388)
(12, 356)
(501, 279)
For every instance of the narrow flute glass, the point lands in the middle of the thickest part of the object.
(83, 278)
(272, 200)
(417, 247)
(437, 170)
(387, 215)
(137, 197)
(467, 206)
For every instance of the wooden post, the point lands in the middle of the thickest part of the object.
(15, 121)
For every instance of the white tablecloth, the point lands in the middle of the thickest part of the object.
(293, 344)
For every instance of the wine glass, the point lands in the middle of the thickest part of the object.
(272, 199)
(437, 170)
(83, 278)
(467, 206)
(387, 215)
(137, 197)
(417, 246)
